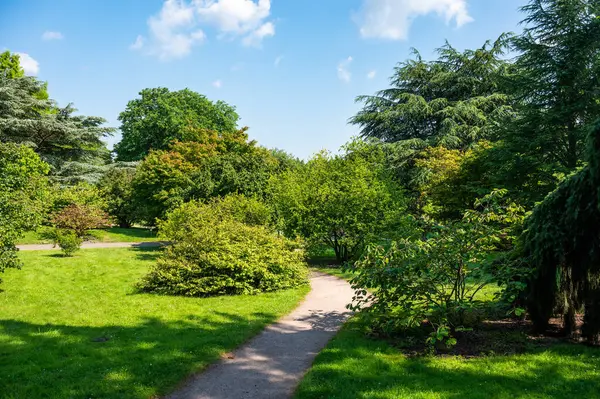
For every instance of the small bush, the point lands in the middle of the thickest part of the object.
(214, 253)
(68, 241)
(80, 219)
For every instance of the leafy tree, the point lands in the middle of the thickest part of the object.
(343, 202)
(56, 134)
(10, 65)
(80, 219)
(116, 186)
(160, 117)
(23, 190)
(453, 101)
(216, 165)
(216, 253)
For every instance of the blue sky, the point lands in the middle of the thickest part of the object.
(291, 67)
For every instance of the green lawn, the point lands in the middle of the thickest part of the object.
(76, 328)
(354, 366)
(113, 234)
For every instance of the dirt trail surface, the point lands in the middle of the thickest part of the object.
(45, 247)
(272, 364)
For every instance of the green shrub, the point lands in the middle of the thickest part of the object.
(68, 241)
(215, 253)
(188, 216)
(439, 278)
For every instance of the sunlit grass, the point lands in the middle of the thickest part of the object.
(113, 234)
(355, 366)
(77, 328)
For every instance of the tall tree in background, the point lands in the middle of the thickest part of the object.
(453, 101)
(557, 82)
(160, 117)
(56, 134)
(212, 164)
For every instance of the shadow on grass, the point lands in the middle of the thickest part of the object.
(133, 232)
(147, 253)
(354, 366)
(140, 361)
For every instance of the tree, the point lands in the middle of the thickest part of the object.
(453, 101)
(342, 202)
(160, 117)
(56, 134)
(556, 84)
(23, 193)
(10, 65)
(561, 244)
(117, 187)
(216, 164)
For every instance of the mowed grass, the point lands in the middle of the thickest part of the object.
(76, 328)
(113, 234)
(355, 366)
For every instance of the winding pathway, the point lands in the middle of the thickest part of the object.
(272, 364)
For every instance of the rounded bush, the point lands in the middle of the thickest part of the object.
(221, 255)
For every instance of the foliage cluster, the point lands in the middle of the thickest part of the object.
(437, 278)
(23, 194)
(341, 201)
(224, 248)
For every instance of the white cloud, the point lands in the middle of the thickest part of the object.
(29, 65)
(172, 31)
(244, 18)
(256, 37)
(343, 73)
(179, 25)
(391, 19)
(371, 74)
(217, 83)
(138, 44)
(278, 60)
(51, 35)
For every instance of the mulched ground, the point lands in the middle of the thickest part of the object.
(498, 337)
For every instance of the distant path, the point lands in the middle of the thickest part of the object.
(272, 364)
(45, 247)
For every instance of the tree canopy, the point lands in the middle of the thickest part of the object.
(452, 101)
(160, 117)
(58, 135)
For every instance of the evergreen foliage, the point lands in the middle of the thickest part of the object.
(562, 243)
(453, 101)
(56, 134)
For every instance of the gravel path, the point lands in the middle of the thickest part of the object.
(45, 247)
(272, 364)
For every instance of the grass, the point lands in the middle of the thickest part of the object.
(113, 234)
(355, 366)
(76, 328)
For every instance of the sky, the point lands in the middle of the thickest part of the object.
(292, 68)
